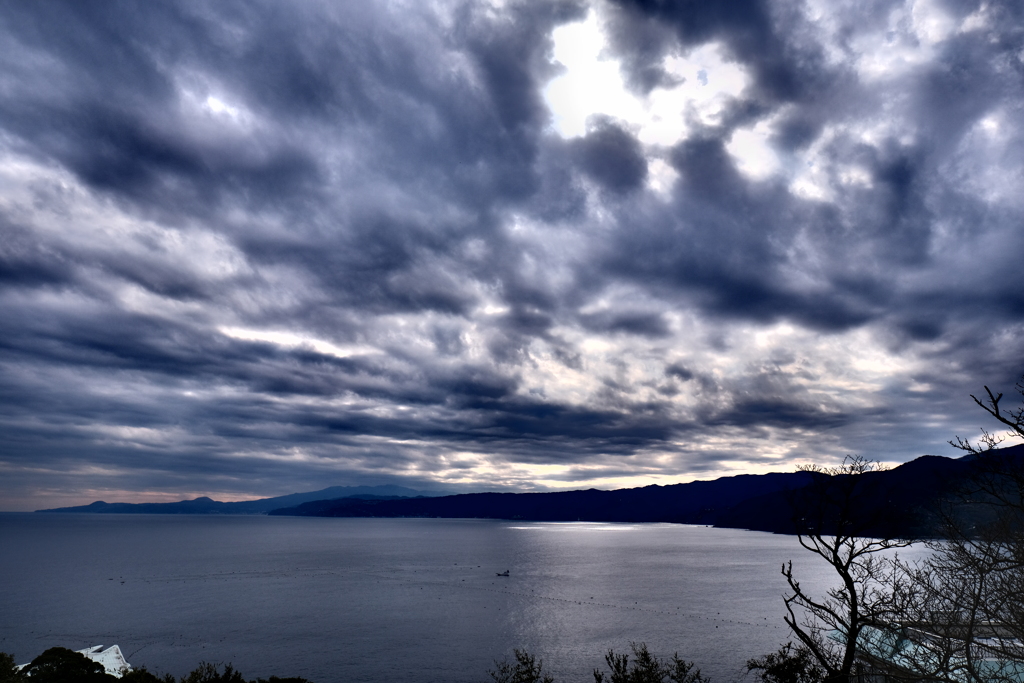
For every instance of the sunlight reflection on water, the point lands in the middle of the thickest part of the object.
(383, 599)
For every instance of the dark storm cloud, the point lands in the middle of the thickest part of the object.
(26, 263)
(248, 248)
(725, 244)
(679, 371)
(645, 324)
(107, 109)
(750, 28)
(892, 223)
(611, 156)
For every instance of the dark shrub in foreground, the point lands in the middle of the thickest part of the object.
(525, 670)
(646, 668)
(8, 672)
(61, 665)
(787, 665)
(143, 675)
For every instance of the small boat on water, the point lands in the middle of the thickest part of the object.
(504, 573)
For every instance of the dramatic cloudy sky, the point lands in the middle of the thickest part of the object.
(251, 248)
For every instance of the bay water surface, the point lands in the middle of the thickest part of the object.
(414, 600)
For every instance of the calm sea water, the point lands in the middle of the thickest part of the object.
(374, 600)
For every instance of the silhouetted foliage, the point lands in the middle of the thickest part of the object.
(211, 673)
(646, 668)
(8, 669)
(1012, 419)
(872, 590)
(971, 590)
(960, 612)
(61, 665)
(787, 665)
(525, 669)
(143, 675)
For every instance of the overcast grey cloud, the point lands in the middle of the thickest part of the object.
(251, 248)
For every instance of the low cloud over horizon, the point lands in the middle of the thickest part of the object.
(249, 249)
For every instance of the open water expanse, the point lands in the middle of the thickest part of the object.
(413, 600)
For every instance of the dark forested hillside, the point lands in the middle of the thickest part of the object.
(699, 502)
(897, 501)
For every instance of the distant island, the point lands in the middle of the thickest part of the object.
(760, 502)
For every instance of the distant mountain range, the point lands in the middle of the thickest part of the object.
(698, 502)
(893, 502)
(207, 506)
(898, 500)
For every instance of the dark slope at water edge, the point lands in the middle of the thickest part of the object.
(892, 502)
(698, 502)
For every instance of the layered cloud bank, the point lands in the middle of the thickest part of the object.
(251, 248)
